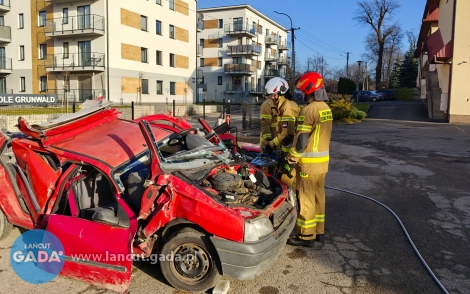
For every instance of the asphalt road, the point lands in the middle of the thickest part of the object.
(420, 169)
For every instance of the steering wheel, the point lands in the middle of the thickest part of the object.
(175, 139)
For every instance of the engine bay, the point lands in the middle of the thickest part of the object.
(242, 185)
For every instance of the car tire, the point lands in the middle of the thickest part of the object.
(196, 270)
(374, 99)
(5, 226)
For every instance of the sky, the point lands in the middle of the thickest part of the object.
(327, 26)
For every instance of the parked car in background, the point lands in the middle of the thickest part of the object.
(367, 96)
(387, 94)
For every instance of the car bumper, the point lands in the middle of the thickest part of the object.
(244, 261)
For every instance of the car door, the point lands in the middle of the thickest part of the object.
(96, 253)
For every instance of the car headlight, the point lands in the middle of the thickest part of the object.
(257, 228)
(291, 197)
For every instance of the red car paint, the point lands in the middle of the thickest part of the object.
(49, 163)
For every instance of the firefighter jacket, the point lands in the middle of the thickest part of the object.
(268, 121)
(286, 122)
(312, 139)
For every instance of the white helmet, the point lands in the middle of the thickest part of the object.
(276, 85)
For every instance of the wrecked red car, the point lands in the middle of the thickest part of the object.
(157, 185)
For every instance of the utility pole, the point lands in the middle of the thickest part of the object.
(292, 30)
(347, 64)
(367, 78)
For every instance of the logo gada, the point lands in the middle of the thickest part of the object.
(37, 256)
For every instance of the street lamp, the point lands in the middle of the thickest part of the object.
(292, 37)
(359, 62)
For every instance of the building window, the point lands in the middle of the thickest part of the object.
(42, 51)
(240, 40)
(160, 87)
(267, 32)
(21, 21)
(221, 23)
(259, 65)
(201, 42)
(172, 4)
(43, 84)
(219, 80)
(236, 60)
(145, 86)
(159, 2)
(172, 88)
(65, 49)
(159, 57)
(219, 61)
(201, 62)
(158, 27)
(143, 54)
(2, 19)
(143, 23)
(260, 30)
(65, 16)
(172, 31)
(21, 57)
(172, 60)
(22, 84)
(221, 42)
(42, 18)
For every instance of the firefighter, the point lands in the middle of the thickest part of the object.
(286, 121)
(310, 157)
(268, 121)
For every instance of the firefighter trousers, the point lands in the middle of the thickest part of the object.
(310, 205)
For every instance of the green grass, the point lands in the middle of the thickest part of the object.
(362, 107)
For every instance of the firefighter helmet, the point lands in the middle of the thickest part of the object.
(310, 82)
(276, 86)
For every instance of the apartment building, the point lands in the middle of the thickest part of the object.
(443, 50)
(139, 50)
(239, 50)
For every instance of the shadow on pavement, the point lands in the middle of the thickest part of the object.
(400, 110)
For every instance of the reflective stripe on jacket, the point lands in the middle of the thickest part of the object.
(268, 121)
(286, 123)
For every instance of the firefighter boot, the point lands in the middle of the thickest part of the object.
(295, 241)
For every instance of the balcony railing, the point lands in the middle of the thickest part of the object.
(255, 88)
(230, 88)
(271, 73)
(243, 49)
(268, 56)
(239, 68)
(5, 65)
(4, 5)
(6, 91)
(75, 61)
(283, 45)
(76, 95)
(271, 40)
(240, 29)
(284, 60)
(200, 50)
(90, 24)
(5, 34)
(201, 86)
(200, 25)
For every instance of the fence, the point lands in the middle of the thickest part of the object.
(244, 115)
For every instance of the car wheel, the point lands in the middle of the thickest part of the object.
(374, 99)
(194, 261)
(5, 226)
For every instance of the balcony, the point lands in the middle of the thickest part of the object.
(84, 25)
(268, 56)
(243, 50)
(240, 30)
(5, 34)
(283, 60)
(271, 40)
(201, 86)
(232, 88)
(5, 66)
(283, 45)
(255, 89)
(200, 25)
(6, 91)
(4, 5)
(85, 61)
(271, 73)
(76, 95)
(199, 50)
(239, 69)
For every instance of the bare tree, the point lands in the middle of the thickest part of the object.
(377, 14)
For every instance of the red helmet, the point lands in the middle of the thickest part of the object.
(310, 82)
